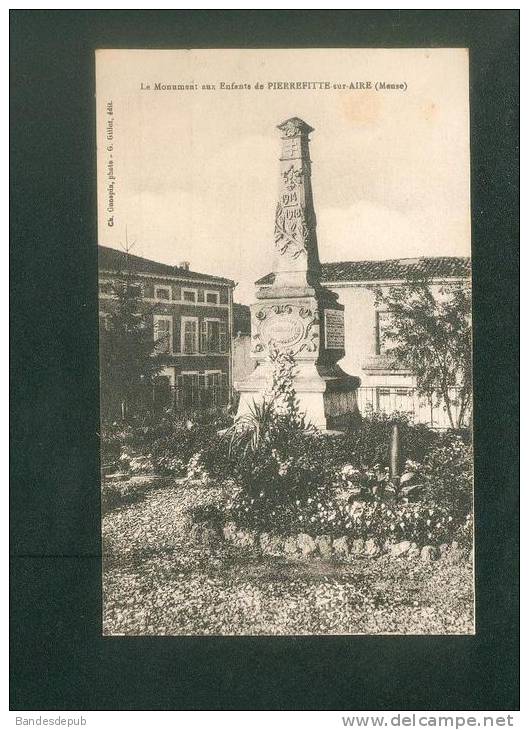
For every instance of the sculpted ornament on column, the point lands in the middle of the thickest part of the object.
(290, 328)
(292, 229)
(295, 221)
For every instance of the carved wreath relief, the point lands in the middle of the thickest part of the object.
(288, 328)
(292, 230)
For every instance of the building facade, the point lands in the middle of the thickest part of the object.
(190, 318)
(383, 386)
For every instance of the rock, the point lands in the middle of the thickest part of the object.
(291, 546)
(229, 531)
(413, 552)
(324, 544)
(371, 548)
(429, 553)
(272, 546)
(340, 546)
(444, 548)
(306, 544)
(245, 538)
(204, 534)
(399, 548)
(455, 555)
(264, 541)
(357, 547)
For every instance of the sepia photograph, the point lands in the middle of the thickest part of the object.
(285, 328)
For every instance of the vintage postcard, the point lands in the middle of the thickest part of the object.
(285, 341)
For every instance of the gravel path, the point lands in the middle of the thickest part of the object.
(158, 582)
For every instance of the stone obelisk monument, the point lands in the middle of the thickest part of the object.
(294, 313)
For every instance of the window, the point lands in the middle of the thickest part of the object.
(163, 333)
(212, 297)
(189, 295)
(391, 400)
(213, 378)
(162, 292)
(189, 335)
(383, 321)
(213, 336)
(135, 290)
(216, 387)
(187, 390)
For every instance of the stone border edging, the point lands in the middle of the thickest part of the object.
(326, 547)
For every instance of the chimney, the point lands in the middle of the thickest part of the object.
(184, 265)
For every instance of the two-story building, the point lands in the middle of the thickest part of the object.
(384, 387)
(190, 317)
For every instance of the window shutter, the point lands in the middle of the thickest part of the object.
(201, 295)
(225, 394)
(223, 338)
(203, 336)
(176, 334)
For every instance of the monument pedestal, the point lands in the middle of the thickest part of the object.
(296, 315)
(310, 328)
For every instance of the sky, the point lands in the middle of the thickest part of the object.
(195, 172)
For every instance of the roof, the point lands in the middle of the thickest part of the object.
(433, 267)
(241, 319)
(110, 259)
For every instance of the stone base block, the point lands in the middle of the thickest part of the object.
(328, 398)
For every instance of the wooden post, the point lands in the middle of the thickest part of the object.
(394, 452)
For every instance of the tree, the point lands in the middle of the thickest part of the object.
(128, 360)
(430, 334)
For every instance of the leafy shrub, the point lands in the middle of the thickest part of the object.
(376, 484)
(368, 444)
(414, 521)
(113, 436)
(163, 444)
(448, 472)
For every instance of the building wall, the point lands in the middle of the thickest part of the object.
(177, 361)
(243, 364)
(382, 388)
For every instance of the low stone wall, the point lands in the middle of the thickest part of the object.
(327, 547)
